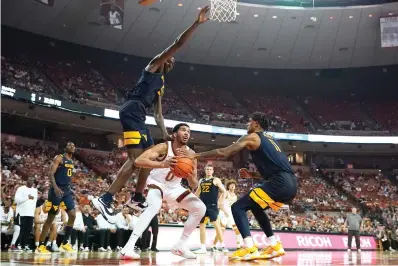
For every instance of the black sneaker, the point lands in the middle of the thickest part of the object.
(105, 209)
(137, 202)
(214, 249)
(154, 250)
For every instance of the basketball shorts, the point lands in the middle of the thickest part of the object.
(277, 191)
(211, 213)
(54, 204)
(173, 195)
(227, 222)
(136, 135)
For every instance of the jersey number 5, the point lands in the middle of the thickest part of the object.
(69, 173)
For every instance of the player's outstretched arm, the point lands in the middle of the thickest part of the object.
(169, 52)
(148, 158)
(159, 119)
(246, 141)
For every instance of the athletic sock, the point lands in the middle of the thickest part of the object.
(272, 240)
(68, 232)
(249, 242)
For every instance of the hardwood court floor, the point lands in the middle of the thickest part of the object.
(166, 258)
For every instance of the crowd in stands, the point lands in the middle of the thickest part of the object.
(84, 82)
(319, 206)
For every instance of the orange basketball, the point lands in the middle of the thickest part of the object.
(183, 168)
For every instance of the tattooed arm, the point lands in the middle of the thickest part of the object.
(248, 141)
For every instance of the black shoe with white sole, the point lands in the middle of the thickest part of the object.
(137, 202)
(105, 209)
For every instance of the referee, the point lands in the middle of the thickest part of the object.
(354, 221)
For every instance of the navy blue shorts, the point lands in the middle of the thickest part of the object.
(66, 202)
(276, 191)
(211, 214)
(136, 135)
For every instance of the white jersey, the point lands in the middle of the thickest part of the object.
(230, 199)
(43, 216)
(163, 175)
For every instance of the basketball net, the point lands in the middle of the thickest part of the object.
(223, 10)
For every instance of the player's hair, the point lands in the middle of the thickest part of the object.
(230, 182)
(209, 165)
(260, 118)
(177, 127)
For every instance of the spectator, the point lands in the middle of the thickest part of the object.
(25, 197)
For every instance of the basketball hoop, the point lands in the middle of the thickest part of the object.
(223, 10)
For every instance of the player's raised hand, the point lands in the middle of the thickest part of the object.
(244, 173)
(167, 137)
(202, 18)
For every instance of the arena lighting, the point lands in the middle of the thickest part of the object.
(53, 102)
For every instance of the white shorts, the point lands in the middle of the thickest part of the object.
(173, 195)
(227, 222)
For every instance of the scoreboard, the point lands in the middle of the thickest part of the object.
(389, 31)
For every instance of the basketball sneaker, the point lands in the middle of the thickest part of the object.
(13, 248)
(129, 255)
(42, 250)
(271, 252)
(105, 209)
(66, 248)
(245, 253)
(137, 202)
(202, 250)
(185, 253)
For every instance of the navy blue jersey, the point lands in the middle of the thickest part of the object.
(269, 158)
(64, 172)
(149, 87)
(208, 191)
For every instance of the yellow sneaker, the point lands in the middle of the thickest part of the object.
(67, 248)
(42, 250)
(245, 253)
(271, 252)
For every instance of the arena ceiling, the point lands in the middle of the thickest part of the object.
(262, 37)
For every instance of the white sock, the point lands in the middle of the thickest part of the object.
(272, 240)
(15, 235)
(249, 242)
(154, 200)
(48, 243)
(222, 245)
(36, 244)
(203, 246)
(55, 243)
(239, 239)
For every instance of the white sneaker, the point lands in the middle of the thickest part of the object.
(105, 209)
(224, 249)
(101, 249)
(81, 249)
(359, 250)
(129, 255)
(200, 251)
(348, 250)
(55, 248)
(185, 253)
(86, 249)
(118, 248)
(109, 249)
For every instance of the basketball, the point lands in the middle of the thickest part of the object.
(183, 167)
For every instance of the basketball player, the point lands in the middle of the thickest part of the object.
(164, 186)
(209, 187)
(60, 194)
(280, 188)
(227, 221)
(147, 92)
(41, 215)
(115, 20)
